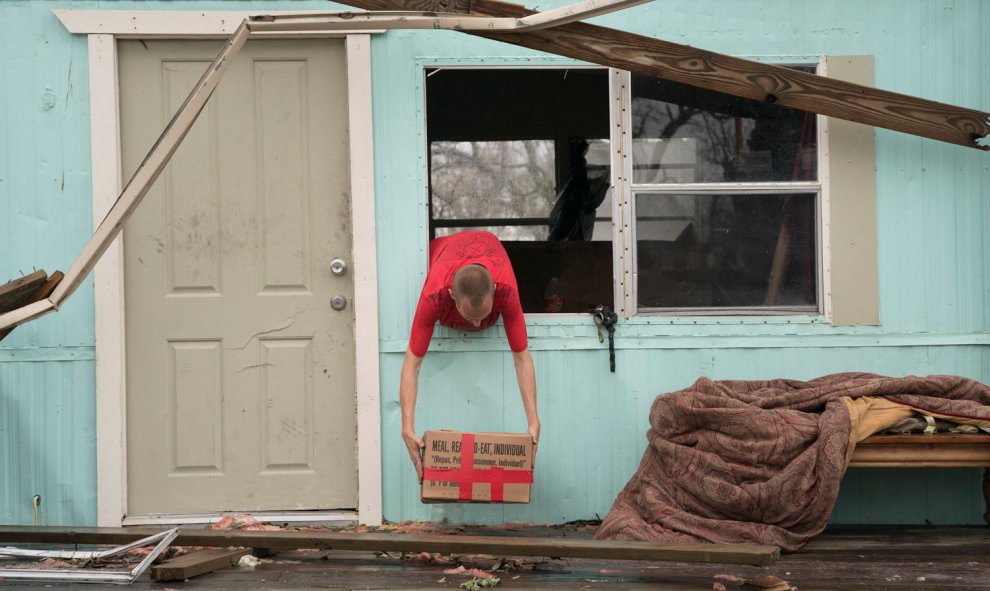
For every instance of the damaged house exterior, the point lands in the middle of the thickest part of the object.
(239, 347)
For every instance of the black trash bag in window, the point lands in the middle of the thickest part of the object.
(573, 214)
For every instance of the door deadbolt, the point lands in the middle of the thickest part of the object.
(338, 267)
(338, 302)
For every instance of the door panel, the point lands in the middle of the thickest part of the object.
(240, 376)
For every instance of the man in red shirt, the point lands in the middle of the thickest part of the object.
(469, 285)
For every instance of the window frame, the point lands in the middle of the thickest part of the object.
(426, 68)
(624, 210)
(623, 192)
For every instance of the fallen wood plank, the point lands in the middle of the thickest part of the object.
(197, 563)
(41, 292)
(754, 554)
(149, 169)
(724, 73)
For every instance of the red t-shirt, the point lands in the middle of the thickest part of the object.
(447, 256)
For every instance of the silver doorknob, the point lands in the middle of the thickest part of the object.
(338, 302)
(338, 267)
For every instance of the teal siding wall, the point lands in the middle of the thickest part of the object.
(46, 367)
(932, 209)
(932, 212)
(47, 436)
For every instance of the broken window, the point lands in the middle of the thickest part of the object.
(524, 154)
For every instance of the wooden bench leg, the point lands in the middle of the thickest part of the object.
(986, 494)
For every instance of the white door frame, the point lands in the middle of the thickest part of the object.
(103, 28)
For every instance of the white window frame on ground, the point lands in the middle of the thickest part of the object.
(624, 213)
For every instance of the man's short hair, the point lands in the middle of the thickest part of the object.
(474, 283)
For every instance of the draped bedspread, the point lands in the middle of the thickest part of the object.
(761, 461)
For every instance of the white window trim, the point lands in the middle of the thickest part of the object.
(618, 226)
(824, 210)
(103, 28)
(626, 279)
(622, 240)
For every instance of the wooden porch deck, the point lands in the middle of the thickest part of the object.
(893, 558)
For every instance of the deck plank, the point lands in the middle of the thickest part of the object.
(509, 546)
(890, 558)
(197, 563)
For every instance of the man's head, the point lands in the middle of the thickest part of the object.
(473, 291)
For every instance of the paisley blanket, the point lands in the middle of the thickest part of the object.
(761, 461)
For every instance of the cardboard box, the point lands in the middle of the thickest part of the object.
(497, 467)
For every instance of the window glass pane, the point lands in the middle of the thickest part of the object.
(683, 134)
(726, 251)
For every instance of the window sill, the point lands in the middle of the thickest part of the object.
(583, 336)
(655, 319)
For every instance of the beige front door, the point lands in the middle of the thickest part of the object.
(240, 374)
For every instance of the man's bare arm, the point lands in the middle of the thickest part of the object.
(408, 387)
(526, 376)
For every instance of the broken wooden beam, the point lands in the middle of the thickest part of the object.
(727, 74)
(42, 290)
(201, 562)
(16, 293)
(753, 554)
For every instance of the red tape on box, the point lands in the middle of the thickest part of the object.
(467, 474)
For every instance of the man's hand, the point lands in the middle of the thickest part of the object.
(415, 446)
(534, 432)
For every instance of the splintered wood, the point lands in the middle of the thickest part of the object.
(24, 291)
(16, 293)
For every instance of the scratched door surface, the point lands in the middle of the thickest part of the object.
(240, 375)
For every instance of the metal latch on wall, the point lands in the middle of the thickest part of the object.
(605, 317)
